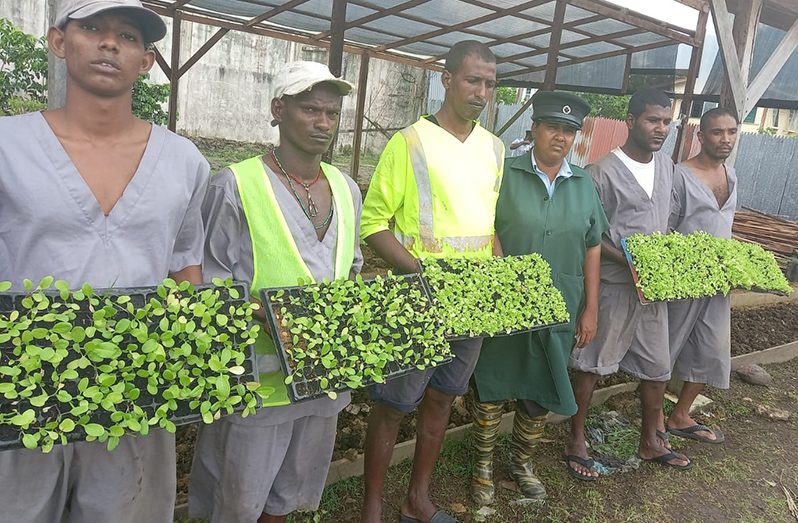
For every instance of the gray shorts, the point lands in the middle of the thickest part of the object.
(241, 471)
(406, 392)
(631, 337)
(84, 483)
(700, 340)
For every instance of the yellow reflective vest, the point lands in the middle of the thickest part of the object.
(441, 192)
(277, 261)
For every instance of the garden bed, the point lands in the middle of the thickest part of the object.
(348, 334)
(99, 364)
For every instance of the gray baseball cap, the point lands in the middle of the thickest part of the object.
(151, 25)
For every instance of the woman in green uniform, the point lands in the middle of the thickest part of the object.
(550, 207)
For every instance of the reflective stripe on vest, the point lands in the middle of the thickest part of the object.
(426, 228)
(277, 261)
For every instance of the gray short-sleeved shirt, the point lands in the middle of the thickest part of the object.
(700, 330)
(695, 207)
(51, 223)
(627, 206)
(228, 253)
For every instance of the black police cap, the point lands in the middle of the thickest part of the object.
(557, 106)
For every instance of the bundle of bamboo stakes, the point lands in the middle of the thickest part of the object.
(773, 233)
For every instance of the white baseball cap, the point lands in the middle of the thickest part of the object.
(298, 77)
(152, 27)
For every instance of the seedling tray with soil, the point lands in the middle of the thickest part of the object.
(348, 334)
(494, 296)
(99, 364)
(675, 266)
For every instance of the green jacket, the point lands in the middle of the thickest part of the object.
(534, 366)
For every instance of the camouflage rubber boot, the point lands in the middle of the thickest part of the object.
(487, 418)
(527, 431)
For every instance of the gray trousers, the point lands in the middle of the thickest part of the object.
(700, 340)
(241, 471)
(84, 483)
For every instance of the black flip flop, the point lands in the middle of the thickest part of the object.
(665, 437)
(690, 433)
(665, 460)
(588, 463)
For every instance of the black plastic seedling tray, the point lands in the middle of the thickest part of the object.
(459, 337)
(10, 436)
(307, 389)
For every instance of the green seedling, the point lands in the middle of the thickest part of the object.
(351, 333)
(83, 364)
(676, 266)
(493, 296)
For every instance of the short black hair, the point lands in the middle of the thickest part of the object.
(459, 51)
(644, 97)
(716, 113)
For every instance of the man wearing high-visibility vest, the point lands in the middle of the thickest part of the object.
(438, 180)
(271, 220)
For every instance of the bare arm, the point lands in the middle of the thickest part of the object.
(191, 274)
(393, 252)
(588, 318)
(497, 246)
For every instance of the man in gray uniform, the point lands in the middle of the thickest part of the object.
(90, 193)
(634, 184)
(704, 199)
(266, 466)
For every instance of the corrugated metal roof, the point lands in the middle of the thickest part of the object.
(783, 92)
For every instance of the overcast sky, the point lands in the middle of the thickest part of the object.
(669, 11)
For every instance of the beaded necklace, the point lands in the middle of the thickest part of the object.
(311, 211)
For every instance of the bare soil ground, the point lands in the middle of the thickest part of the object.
(752, 330)
(739, 481)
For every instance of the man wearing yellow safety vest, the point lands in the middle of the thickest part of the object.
(271, 220)
(438, 179)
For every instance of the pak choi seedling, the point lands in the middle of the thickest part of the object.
(676, 266)
(494, 296)
(92, 365)
(351, 333)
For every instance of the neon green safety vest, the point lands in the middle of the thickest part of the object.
(441, 192)
(276, 258)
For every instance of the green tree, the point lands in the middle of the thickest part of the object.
(23, 78)
(506, 95)
(606, 105)
(23, 70)
(148, 99)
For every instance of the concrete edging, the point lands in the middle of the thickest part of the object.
(778, 354)
(742, 299)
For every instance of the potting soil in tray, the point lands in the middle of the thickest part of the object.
(119, 361)
(348, 334)
(677, 266)
(494, 296)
